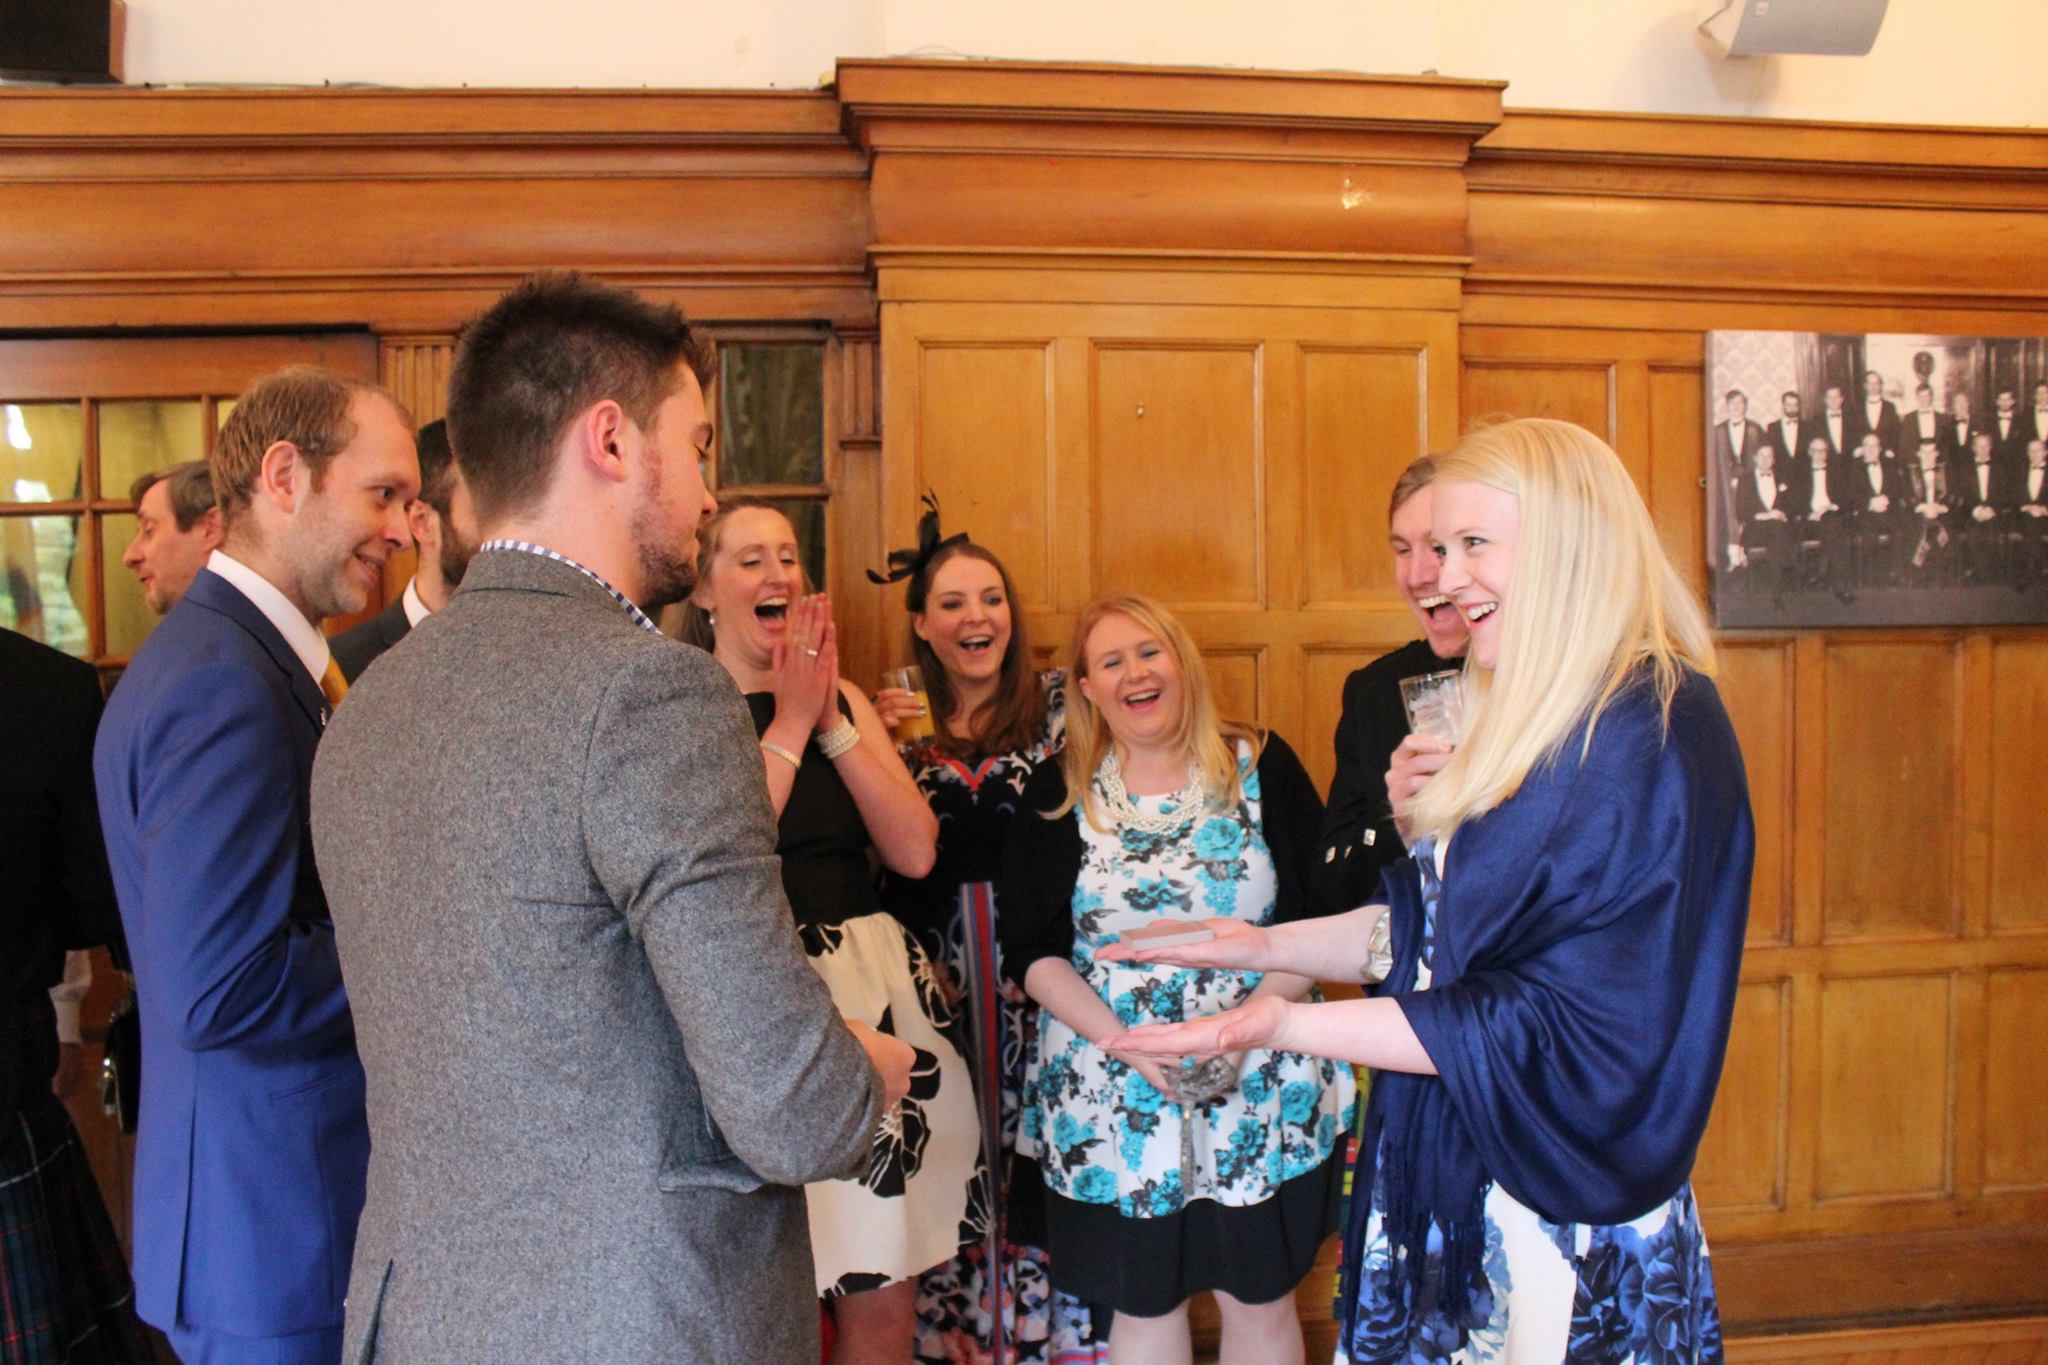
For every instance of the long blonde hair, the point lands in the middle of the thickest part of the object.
(1593, 603)
(1209, 741)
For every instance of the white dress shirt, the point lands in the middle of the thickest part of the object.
(416, 611)
(1767, 491)
(2035, 478)
(302, 635)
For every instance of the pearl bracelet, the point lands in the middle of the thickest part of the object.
(769, 746)
(838, 739)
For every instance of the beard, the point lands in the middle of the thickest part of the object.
(668, 566)
(453, 558)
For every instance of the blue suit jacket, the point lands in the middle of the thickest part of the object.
(250, 1160)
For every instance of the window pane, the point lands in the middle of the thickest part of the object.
(129, 618)
(771, 414)
(42, 580)
(223, 408)
(142, 438)
(808, 519)
(42, 452)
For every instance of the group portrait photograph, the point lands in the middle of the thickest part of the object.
(864, 682)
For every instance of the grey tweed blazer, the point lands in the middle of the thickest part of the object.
(599, 1063)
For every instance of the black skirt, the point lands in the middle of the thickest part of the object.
(1147, 1267)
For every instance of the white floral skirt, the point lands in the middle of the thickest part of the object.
(923, 1194)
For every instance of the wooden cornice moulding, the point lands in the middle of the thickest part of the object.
(1050, 156)
(399, 208)
(1651, 211)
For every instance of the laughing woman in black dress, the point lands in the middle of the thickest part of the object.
(839, 789)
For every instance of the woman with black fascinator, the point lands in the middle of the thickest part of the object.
(994, 718)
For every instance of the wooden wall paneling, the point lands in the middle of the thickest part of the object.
(2015, 1148)
(1571, 391)
(869, 619)
(415, 369)
(1676, 456)
(1742, 1161)
(1179, 466)
(1887, 1071)
(1893, 789)
(2017, 757)
(1364, 418)
(430, 203)
(1756, 686)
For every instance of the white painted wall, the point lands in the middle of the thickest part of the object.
(1936, 61)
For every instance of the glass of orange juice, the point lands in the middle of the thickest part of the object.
(911, 679)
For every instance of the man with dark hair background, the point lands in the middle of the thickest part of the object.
(176, 527)
(600, 1064)
(443, 521)
(250, 1156)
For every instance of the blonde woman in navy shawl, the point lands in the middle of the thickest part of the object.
(1567, 937)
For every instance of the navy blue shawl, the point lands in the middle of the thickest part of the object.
(1588, 944)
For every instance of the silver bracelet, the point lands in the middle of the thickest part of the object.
(838, 739)
(769, 746)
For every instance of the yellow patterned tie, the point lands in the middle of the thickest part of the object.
(332, 685)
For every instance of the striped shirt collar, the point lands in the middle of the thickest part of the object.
(640, 618)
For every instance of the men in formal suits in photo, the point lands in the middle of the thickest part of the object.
(2037, 414)
(1984, 505)
(1927, 488)
(2009, 429)
(1735, 443)
(1874, 495)
(176, 527)
(1875, 414)
(600, 1065)
(1763, 519)
(1961, 425)
(443, 522)
(1922, 423)
(1788, 435)
(252, 1145)
(1817, 505)
(1831, 427)
(63, 1279)
(2031, 488)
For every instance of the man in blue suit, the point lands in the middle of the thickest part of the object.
(250, 1159)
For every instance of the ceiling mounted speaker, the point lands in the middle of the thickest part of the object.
(1830, 28)
(62, 40)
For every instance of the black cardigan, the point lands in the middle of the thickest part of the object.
(1042, 858)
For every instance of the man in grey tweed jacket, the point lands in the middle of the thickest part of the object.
(599, 1065)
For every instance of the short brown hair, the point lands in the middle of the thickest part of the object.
(303, 404)
(544, 353)
(190, 490)
(437, 467)
(1410, 481)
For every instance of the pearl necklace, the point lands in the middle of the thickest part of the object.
(1186, 802)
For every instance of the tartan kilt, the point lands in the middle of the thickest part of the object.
(65, 1295)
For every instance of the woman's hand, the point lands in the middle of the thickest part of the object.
(1151, 1068)
(1415, 761)
(1238, 946)
(805, 663)
(1259, 1022)
(896, 705)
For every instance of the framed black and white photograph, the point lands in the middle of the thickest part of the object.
(1877, 479)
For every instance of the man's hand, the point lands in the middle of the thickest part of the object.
(891, 1057)
(70, 1070)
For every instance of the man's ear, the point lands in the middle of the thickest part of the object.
(604, 437)
(277, 474)
(421, 520)
(209, 528)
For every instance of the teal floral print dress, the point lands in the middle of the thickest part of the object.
(1102, 1133)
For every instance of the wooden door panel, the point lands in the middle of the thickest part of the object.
(2015, 1118)
(1362, 424)
(1572, 391)
(983, 447)
(1179, 504)
(1742, 1158)
(1755, 684)
(2019, 807)
(1322, 704)
(1891, 790)
(1235, 675)
(1884, 1119)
